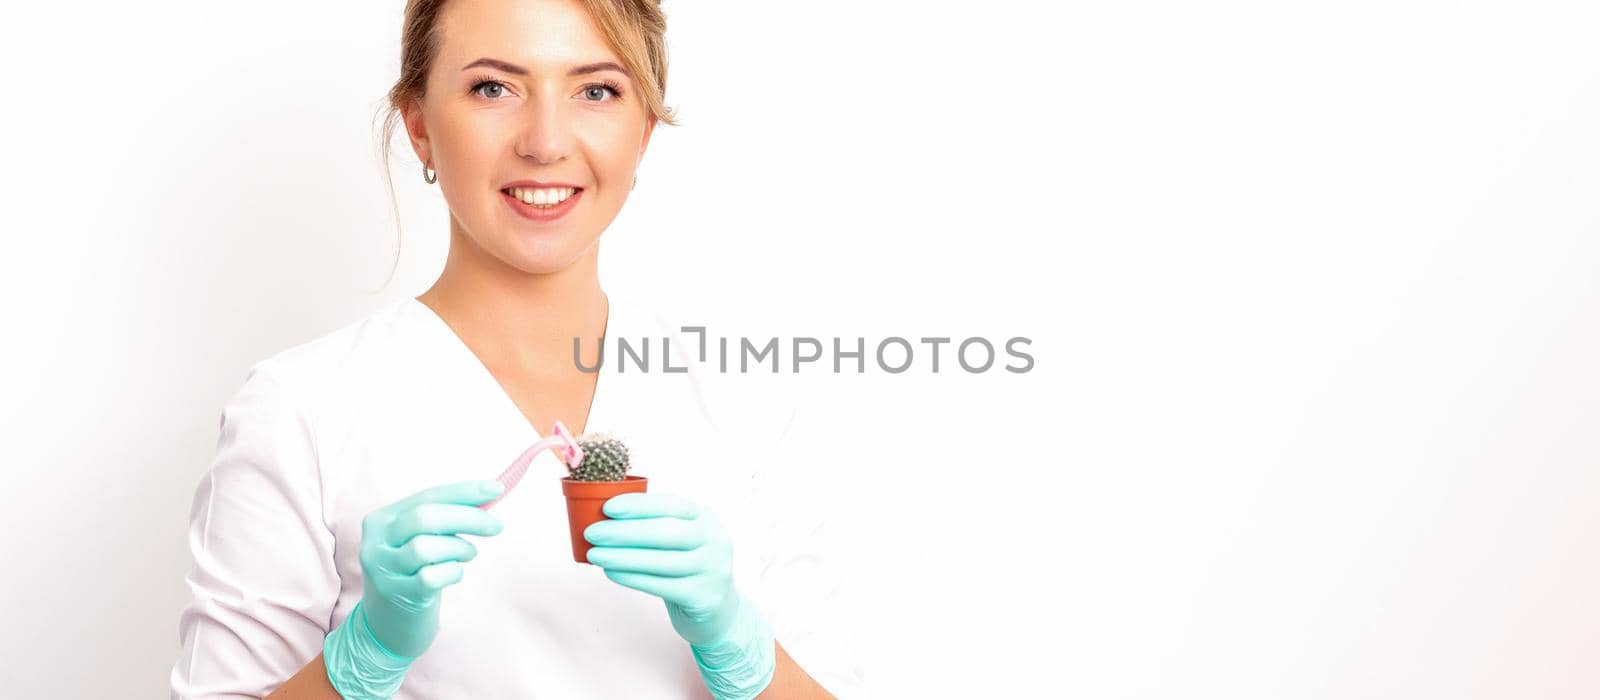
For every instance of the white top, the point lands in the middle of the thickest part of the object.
(323, 433)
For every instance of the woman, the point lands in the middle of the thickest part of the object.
(333, 531)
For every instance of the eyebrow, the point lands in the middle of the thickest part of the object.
(515, 69)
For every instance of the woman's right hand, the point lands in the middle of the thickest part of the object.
(410, 551)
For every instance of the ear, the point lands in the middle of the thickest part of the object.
(417, 131)
(649, 128)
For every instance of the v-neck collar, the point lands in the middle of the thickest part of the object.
(475, 366)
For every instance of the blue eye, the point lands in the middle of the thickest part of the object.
(599, 90)
(499, 87)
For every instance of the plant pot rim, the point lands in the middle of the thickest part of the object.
(573, 488)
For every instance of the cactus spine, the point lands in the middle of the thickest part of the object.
(605, 458)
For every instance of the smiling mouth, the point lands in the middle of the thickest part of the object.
(541, 197)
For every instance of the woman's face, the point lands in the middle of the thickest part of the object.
(517, 95)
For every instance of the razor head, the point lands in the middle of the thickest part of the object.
(572, 450)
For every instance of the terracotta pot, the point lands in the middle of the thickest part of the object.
(584, 500)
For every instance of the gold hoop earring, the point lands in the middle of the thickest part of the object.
(429, 175)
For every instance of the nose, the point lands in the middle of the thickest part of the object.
(546, 134)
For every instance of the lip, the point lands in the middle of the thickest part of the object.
(533, 213)
(527, 184)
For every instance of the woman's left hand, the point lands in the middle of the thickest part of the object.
(674, 549)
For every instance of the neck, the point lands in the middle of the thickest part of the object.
(517, 320)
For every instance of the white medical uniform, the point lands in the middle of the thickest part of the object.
(323, 433)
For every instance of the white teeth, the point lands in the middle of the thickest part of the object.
(543, 196)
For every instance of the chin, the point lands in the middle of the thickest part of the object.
(544, 253)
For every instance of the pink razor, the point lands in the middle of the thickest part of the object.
(567, 449)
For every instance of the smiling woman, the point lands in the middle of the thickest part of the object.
(334, 517)
(578, 85)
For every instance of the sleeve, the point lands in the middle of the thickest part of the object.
(783, 518)
(263, 583)
(799, 579)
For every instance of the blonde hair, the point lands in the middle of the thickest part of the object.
(634, 29)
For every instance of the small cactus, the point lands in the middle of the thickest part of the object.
(605, 458)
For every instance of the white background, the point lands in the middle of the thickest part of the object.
(1311, 288)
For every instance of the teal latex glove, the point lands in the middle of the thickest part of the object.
(677, 550)
(410, 551)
